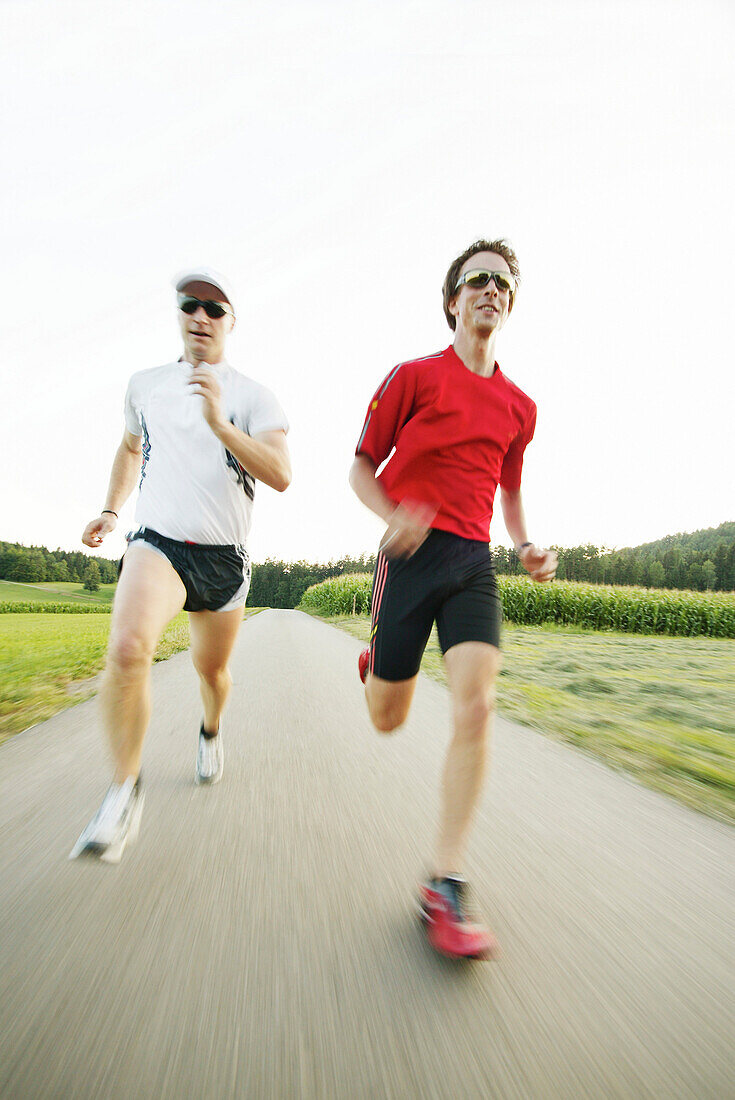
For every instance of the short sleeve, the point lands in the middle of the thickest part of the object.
(388, 411)
(265, 413)
(510, 474)
(133, 421)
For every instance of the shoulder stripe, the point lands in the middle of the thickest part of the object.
(389, 379)
(384, 387)
(426, 358)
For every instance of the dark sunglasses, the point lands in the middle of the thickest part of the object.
(478, 279)
(187, 304)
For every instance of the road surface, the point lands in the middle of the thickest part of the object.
(259, 939)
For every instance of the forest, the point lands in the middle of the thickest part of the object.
(700, 560)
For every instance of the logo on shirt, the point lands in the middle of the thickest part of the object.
(146, 449)
(244, 479)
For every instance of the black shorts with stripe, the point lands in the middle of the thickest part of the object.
(450, 580)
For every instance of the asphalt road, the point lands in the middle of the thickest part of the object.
(259, 939)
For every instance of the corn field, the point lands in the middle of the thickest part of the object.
(345, 595)
(594, 606)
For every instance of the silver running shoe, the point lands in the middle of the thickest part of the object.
(210, 758)
(115, 824)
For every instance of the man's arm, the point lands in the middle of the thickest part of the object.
(123, 478)
(408, 523)
(539, 564)
(265, 455)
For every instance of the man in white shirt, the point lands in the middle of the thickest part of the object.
(198, 435)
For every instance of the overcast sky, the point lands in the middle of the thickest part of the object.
(332, 159)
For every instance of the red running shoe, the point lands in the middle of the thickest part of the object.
(362, 663)
(442, 903)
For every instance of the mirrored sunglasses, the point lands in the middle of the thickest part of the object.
(478, 279)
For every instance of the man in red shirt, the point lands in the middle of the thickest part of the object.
(452, 428)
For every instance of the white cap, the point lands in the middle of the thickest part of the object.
(204, 275)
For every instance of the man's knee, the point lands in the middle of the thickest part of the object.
(386, 721)
(215, 676)
(388, 702)
(129, 653)
(386, 716)
(473, 713)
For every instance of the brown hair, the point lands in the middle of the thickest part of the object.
(500, 248)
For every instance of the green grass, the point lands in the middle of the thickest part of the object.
(54, 592)
(49, 662)
(658, 707)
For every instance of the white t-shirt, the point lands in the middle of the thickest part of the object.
(191, 487)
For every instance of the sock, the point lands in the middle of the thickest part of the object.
(447, 878)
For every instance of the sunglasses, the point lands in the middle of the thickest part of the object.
(212, 309)
(478, 279)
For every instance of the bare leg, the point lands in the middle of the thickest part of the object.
(472, 668)
(148, 596)
(213, 635)
(389, 701)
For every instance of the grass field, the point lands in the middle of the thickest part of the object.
(660, 708)
(48, 662)
(54, 592)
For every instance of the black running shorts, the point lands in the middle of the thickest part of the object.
(450, 580)
(214, 576)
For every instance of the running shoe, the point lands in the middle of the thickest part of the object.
(362, 663)
(210, 758)
(442, 904)
(114, 825)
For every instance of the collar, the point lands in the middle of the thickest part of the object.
(218, 367)
(460, 362)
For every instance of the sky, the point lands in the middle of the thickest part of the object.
(332, 159)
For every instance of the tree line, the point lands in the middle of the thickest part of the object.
(32, 564)
(701, 560)
(274, 583)
(282, 583)
(699, 570)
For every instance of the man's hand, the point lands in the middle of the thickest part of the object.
(95, 531)
(539, 564)
(408, 527)
(204, 382)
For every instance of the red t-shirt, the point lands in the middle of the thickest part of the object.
(456, 435)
